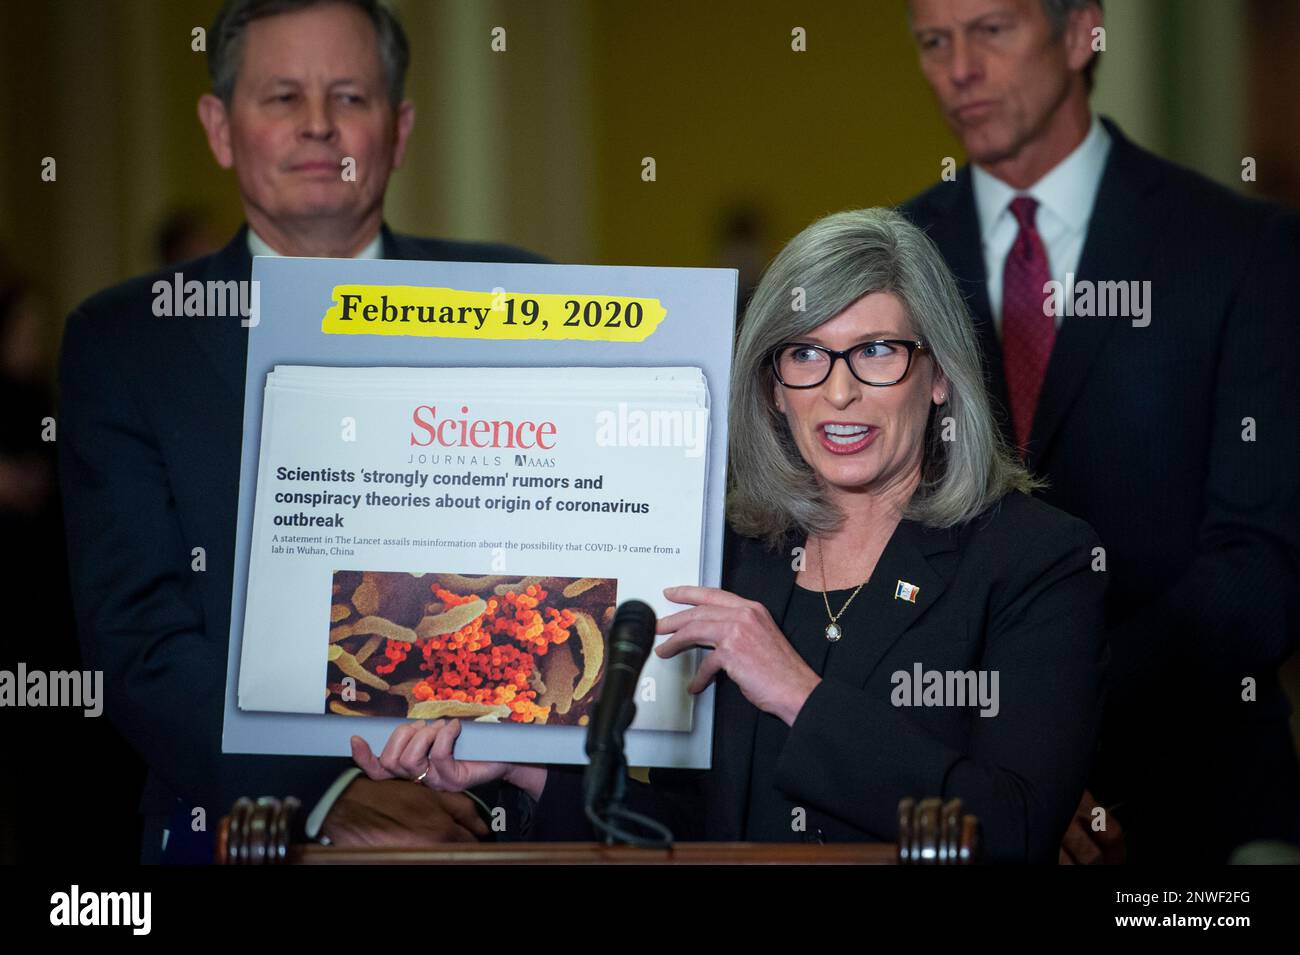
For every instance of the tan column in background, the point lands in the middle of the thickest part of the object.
(146, 174)
(1211, 68)
(87, 243)
(484, 164)
(1174, 77)
(1128, 75)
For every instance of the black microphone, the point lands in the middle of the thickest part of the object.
(631, 636)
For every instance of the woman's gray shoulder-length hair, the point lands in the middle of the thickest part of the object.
(821, 272)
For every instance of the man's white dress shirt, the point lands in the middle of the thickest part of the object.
(1065, 200)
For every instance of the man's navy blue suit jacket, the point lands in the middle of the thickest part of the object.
(150, 436)
(1141, 432)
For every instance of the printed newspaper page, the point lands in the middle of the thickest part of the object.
(453, 473)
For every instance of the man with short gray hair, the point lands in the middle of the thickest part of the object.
(1136, 321)
(303, 91)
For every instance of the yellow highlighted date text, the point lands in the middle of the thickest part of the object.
(512, 316)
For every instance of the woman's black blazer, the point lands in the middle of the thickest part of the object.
(1012, 591)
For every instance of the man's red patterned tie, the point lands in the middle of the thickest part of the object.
(1027, 332)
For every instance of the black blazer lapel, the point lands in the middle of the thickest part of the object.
(906, 559)
(224, 339)
(768, 577)
(1122, 233)
(394, 245)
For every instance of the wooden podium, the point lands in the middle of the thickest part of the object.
(930, 832)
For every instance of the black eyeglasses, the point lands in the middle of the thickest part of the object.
(880, 363)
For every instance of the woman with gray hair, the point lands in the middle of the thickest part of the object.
(898, 618)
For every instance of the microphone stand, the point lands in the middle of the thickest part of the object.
(605, 787)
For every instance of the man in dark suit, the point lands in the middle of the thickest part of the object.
(304, 94)
(1152, 390)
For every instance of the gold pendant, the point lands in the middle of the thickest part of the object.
(833, 632)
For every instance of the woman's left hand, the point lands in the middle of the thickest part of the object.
(746, 643)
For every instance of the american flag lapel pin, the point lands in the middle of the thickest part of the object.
(905, 591)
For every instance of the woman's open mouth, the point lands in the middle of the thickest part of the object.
(847, 438)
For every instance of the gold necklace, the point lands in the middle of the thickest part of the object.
(833, 631)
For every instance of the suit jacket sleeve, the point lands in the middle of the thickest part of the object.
(138, 616)
(852, 754)
(1234, 610)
